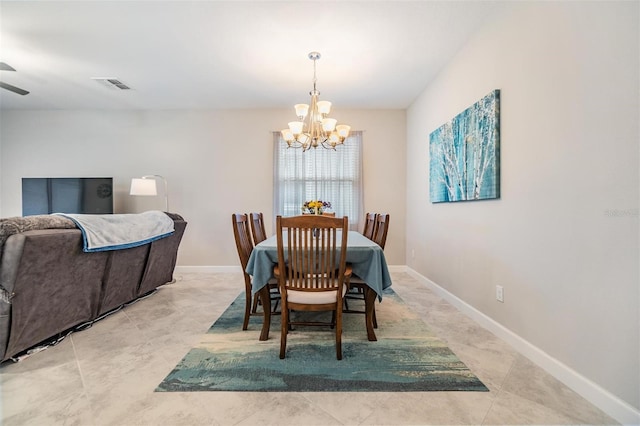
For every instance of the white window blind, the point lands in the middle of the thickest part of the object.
(319, 174)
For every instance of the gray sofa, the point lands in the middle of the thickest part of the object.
(49, 285)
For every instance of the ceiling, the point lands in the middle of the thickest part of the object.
(228, 54)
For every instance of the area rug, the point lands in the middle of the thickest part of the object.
(406, 357)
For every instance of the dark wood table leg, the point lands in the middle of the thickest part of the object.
(369, 300)
(265, 299)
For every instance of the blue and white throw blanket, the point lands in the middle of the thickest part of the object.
(121, 231)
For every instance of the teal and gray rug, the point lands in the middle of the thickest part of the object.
(406, 357)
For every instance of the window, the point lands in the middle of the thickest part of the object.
(324, 174)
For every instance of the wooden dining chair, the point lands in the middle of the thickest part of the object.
(382, 227)
(357, 286)
(313, 271)
(369, 225)
(245, 247)
(257, 228)
(259, 235)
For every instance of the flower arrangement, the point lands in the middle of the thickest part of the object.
(315, 206)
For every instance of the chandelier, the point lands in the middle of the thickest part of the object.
(313, 127)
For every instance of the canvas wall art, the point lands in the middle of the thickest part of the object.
(465, 160)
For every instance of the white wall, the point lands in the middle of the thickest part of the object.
(216, 163)
(563, 238)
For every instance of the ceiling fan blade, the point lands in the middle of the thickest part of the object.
(14, 89)
(6, 67)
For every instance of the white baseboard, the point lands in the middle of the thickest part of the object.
(598, 396)
(397, 268)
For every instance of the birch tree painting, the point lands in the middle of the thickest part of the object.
(464, 154)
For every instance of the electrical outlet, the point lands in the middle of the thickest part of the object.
(413, 253)
(500, 293)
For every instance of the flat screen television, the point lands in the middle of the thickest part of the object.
(86, 195)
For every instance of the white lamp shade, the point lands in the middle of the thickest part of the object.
(343, 130)
(301, 110)
(303, 138)
(287, 135)
(143, 187)
(296, 127)
(324, 107)
(329, 124)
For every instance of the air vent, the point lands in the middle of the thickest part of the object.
(112, 83)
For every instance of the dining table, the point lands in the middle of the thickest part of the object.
(365, 257)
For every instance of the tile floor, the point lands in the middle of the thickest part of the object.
(106, 375)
